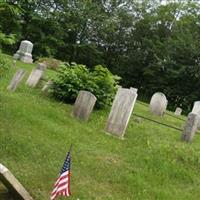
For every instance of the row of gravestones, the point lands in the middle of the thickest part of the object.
(122, 105)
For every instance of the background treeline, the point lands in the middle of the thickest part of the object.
(153, 46)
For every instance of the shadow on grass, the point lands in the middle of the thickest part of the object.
(4, 194)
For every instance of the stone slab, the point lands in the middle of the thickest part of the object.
(158, 104)
(13, 185)
(17, 78)
(121, 111)
(190, 127)
(178, 111)
(84, 105)
(34, 77)
(47, 86)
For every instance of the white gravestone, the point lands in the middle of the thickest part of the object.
(84, 105)
(121, 111)
(196, 107)
(190, 127)
(47, 86)
(25, 52)
(41, 66)
(134, 89)
(17, 78)
(158, 104)
(34, 77)
(178, 111)
(13, 185)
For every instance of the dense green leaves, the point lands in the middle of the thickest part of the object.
(73, 78)
(153, 45)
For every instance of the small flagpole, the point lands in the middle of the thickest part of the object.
(70, 148)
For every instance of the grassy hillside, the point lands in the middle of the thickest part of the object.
(151, 163)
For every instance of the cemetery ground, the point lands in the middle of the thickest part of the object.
(150, 163)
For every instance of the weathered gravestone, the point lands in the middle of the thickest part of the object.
(178, 111)
(121, 111)
(34, 77)
(16, 80)
(84, 105)
(134, 89)
(158, 104)
(196, 107)
(190, 127)
(13, 185)
(47, 86)
(41, 66)
(25, 52)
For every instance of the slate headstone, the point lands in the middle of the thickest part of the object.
(17, 78)
(121, 111)
(84, 105)
(25, 52)
(158, 104)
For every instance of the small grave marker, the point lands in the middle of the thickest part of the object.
(178, 111)
(158, 104)
(34, 77)
(84, 105)
(17, 78)
(190, 127)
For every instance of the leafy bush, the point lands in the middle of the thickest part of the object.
(73, 78)
(51, 63)
(3, 64)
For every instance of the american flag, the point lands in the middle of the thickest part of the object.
(62, 185)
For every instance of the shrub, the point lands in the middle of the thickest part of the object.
(3, 65)
(51, 63)
(73, 78)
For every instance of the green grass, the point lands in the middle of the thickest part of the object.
(151, 163)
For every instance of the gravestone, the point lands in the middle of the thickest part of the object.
(41, 66)
(134, 89)
(158, 104)
(47, 86)
(178, 111)
(196, 107)
(13, 185)
(34, 77)
(16, 80)
(121, 111)
(84, 105)
(190, 127)
(25, 52)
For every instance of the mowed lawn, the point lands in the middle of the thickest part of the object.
(150, 163)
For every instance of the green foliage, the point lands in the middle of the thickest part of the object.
(73, 78)
(4, 66)
(51, 63)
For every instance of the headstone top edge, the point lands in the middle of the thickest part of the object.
(3, 169)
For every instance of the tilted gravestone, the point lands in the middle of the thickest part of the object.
(134, 89)
(47, 86)
(196, 107)
(190, 127)
(84, 105)
(25, 52)
(16, 80)
(158, 104)
(41, 66)
(13, 185)
(34, 77)
(121, 111)
(178, 111)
